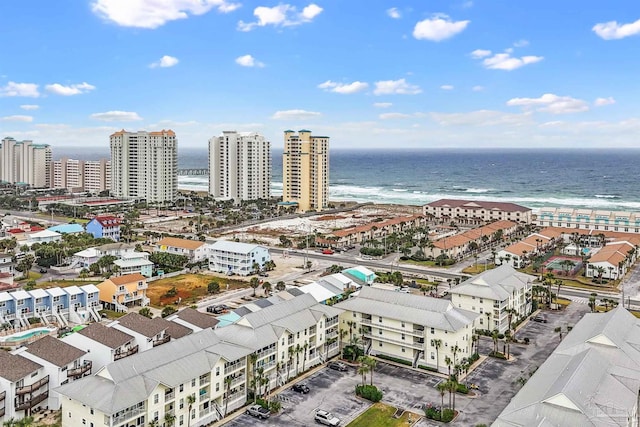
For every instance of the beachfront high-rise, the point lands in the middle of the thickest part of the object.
(239, 166)
(144, 165)
(81, 175)
(25, 162)
(305, 170)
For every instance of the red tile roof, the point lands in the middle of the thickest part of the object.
(477, 204)
(108, 220)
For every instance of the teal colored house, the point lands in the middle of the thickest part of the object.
(362, 274)
(67, 228)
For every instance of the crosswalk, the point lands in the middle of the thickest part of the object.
(580, 300)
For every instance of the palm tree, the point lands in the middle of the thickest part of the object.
(363, 369)
(227, 383)
(342, 334)
(437, 344)
(169, 419)
(455, 350)
(448, 362)
(442, 389)
(371, 364)
(351, 324)
(297, 351)
(266, 286)
(290, 352)
(191, 399)
(254, 283)
(494, 337)
(600, 270)
(304, 354)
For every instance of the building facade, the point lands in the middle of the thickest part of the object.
(195, 250)
(305, 170)
(80, 175)
(476, 212)
(107, 226)
(588, 219)
(237, 258)
(144, 165)
(25, 162)
(240, 166)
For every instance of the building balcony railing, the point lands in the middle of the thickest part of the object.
(393, 328)
(127, 415)
(170, 396)
(80, 371)
(332, 334)
(33, 387)
(161, 341)
(402, 343)
(22, 405)
(266, 353)
(2, 412)
(236, 381)
(3, 395)
(122, 355)
(332, 322)
(234, 367)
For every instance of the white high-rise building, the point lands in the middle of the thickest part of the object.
(240, 166)
(144, 165)
(81, 175)
(25, 162)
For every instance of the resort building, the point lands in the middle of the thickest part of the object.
(591, 379)
(147, 333)
(194, 250)
(476, 212)
(102, 344)
(500, 296)
(85, 258)
(588, 219)
(107, 226)
(421, 330)
(612, 261)
(239, 166)
(78, 176)
(237, 258)
(305, 170)
(460, 245)
(120, 293)
(62, 363)
(372, 231)
(24, 385)
(26, 163)
(518, 254)
(144, 165)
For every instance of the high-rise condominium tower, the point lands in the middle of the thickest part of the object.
(144, 165)
(305, 170)
(25, 162)
(81, 175)
(240, 166)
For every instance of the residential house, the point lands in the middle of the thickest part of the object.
(237, 258)
(120, 250)
(44, 236)
(193, 319)
(592, 377)
(103, 345)
(120, 293)
(611, 262)
(476, 211)
(147, 332)
(172, 329)
(135, 262)
(72, 228)
(61, 362)
(24, 385)
(194, 250)
(107, 226)
(419, 329)
(500, 296)
(378, 230)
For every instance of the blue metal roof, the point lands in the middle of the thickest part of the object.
(67, 228)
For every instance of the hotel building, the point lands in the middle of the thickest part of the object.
(239, 166)
(25, 162)
(305, 170)
(475, 212)
(588, 219)
(144, 165)
(80, 175)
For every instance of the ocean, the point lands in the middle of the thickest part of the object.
(594, 179)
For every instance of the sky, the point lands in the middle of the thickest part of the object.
(369, 74)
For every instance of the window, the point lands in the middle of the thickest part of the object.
(433, 331)
(379, 319)
(155, 399)
(379, 331)
(217, 386)
(379, 345)
(402, 348)
(481, 310)
(181, 388)
(402, 336)
(181, 405)
(402, 324)
(217, 371)
(193, 382)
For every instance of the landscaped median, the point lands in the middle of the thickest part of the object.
(382, 415)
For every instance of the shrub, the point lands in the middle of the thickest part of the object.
(461, 388)
(433, 413)
(526, 340)
(498, 355)
(394, 359)
(168, 311)
(427, 368)
(474, 357)
(275, 406)
(213, 287)
(500, 336)
(369, 392)
(352, 352)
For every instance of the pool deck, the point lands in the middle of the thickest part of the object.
(7, 341)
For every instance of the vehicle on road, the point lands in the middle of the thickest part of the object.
(367, 257)
(43, 270)
(300, 388)
(338, 366)
(263, 274)
(326, 418)
(539, 318)
(258, 412)
(328, 251)
(217, 309)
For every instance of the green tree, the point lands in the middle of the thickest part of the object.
(213, 287)
(363, 370)
(146, 312)
(437, 344)
(191, 399)
(168, 311)
(280, 286)
(254, 283)
(266, 286)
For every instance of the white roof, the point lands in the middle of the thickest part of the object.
(89, 289)
(362, 269)
(55, 292)
(339, 281)
(234, 247)
(5, 296)
(44, 233)
(38, 293)
(134, 255)
(73, 290)
(134, 262)
(320, 292)
(17, 295)
(496, 284)
(87, 253)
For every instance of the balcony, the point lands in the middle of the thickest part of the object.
(417, 346)
(80, 371)
(122, 355)
(128, 414)
(236, 381)
(312, 330)
(161, 341)
(234, 367)
(23, 405)
(392, 328)
(332, 334)
(33, 387)
(3, 395)
(169, 395)
(266, 353)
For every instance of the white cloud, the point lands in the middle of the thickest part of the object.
(75, 89)
(480, 53)
(382, 104)
(343, 88)
(295, 115)
(155, 13)
(29, 107)
(438, 28)
(116, 116)
(16, 118)
(504, 61)
(394, 13)
(481, 118)
(248, 61)
(447, 87)
(165, 62)
(29, 90)
(601, 102)
(551, 103)
(521, 43)
(477, 88)
(396, 87)
(283, 15)
(612, 30)
(393, 116)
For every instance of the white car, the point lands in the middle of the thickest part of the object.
(326, 418)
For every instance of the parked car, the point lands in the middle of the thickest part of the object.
(43, 270)
(338, 366)
(258, 412)
(300, 388)
(539, 318)
(326, 418)
(263, 274)
(217, 309)
(328, 251)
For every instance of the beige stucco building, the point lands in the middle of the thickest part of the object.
(25, 162)
(305, 170)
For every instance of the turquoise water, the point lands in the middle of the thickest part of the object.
(27, 335)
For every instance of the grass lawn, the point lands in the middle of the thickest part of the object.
(32, 276)
(423, 263)
(112, 314)
(381, 415)
(190, 287)
(478, 268)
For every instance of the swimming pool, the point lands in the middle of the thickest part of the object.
(25, 335)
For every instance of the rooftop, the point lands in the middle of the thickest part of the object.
(55, 351)
(110, 337)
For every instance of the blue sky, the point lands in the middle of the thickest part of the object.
(370, 74)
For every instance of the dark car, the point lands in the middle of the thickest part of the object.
(43, 270)
(300, 388)
(539, 318)
(338, 366)
(217, 309)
